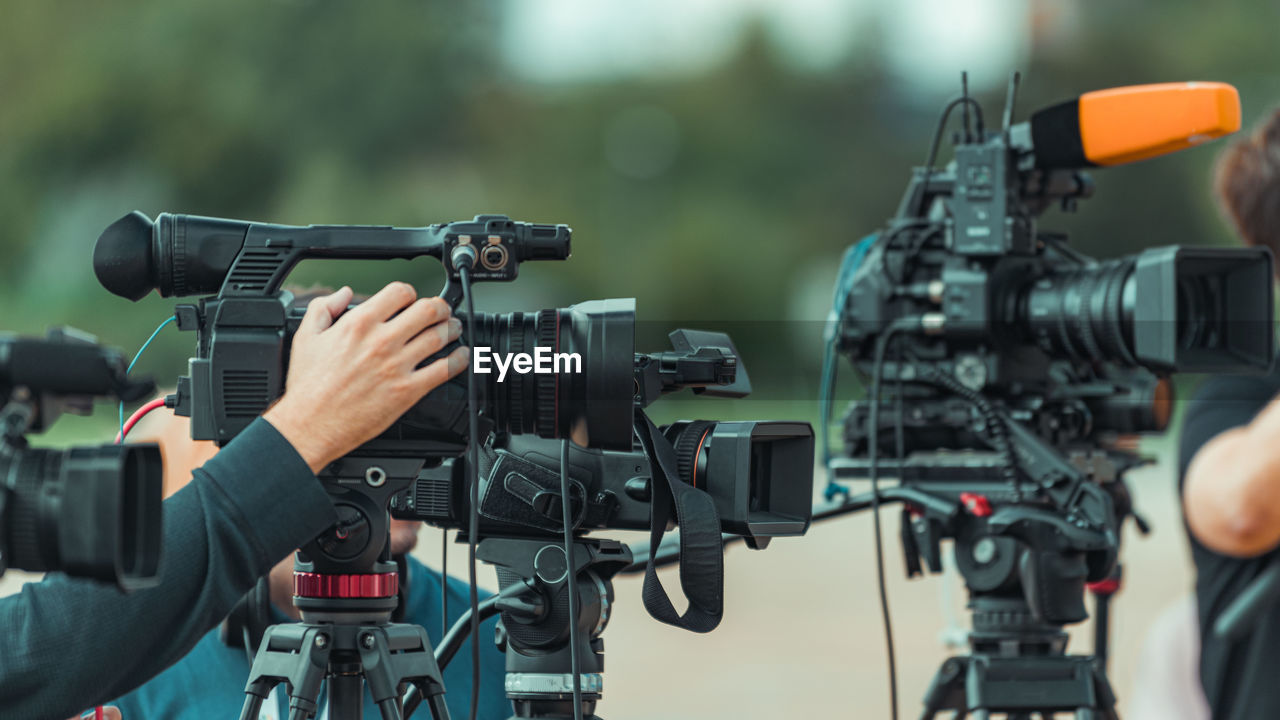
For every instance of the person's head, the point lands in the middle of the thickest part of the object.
(1247, 184)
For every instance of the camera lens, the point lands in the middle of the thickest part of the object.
(576, 377)
(1084, 313)
(758, 472)
(89, 512)
(561, 372)
(1169, 308)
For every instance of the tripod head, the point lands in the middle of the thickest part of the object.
(535, 635)
(1020, 542)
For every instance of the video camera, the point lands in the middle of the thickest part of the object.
(244, 334)
(90, 512)
(626, 474)
(1004, 365)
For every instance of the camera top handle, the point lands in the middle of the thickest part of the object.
(191, 255)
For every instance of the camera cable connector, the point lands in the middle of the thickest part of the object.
(145, 345)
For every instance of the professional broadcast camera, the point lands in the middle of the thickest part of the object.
(90, 512)
(1004, 365)
(508, 498)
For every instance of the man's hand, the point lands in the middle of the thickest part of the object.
(352, 375)
(110, 712)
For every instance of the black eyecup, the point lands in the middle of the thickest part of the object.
(124, 257)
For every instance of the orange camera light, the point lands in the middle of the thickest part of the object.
(1125, 124)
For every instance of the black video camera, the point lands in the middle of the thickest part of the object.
(87, 511)
(243, 337)
(1004, 364)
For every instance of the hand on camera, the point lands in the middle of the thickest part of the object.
(353, 373)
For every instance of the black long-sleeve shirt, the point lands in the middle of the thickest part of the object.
(1238, 676)
(68, 644)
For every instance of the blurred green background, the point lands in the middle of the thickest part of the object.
(714, 158)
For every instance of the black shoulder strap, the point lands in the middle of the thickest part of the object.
(701, 549)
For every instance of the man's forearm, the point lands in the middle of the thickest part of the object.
(1231, 494)
(71, 643)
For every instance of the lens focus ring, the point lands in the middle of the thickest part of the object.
(688, 447)
(548, 330)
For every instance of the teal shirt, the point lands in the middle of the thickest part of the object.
(208, 683)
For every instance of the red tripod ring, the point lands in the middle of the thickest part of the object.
(364, 585)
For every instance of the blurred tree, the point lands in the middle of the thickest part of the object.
(722, 197)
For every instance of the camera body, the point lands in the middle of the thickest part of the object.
(88, 511)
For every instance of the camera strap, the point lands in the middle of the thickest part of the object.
(701, 548)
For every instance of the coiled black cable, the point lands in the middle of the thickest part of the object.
(996, 429)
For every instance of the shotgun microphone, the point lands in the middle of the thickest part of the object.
(1127, 124)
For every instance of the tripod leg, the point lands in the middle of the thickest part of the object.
(438, 709)
(412, 661)
(390, 709)
(309, 668)
(252, 706)
(946, 691)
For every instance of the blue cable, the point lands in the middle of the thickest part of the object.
(849, 265)
(141, 350)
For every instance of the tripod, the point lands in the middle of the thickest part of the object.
(345, 585)
(534, 630)
(338, 641)
(1024, 563)
(1017, 665)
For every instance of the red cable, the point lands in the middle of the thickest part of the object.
(136, 416)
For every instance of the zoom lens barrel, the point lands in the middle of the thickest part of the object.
(585, 385)
(1166, 309)
(90, 512)
(569, 373)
